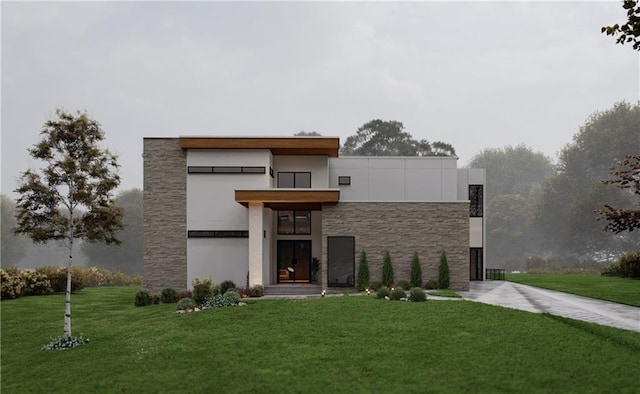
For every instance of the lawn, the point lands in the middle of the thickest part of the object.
(344, 344)
(620, 290)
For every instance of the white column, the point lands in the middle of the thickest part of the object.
(255, 243)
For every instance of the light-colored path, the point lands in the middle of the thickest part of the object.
(537, 300)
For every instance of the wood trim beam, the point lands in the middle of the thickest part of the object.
(328, 146)
(279, 196)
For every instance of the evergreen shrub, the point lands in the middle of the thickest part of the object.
(443, 272)
(416, 294)
(363, 272)
(387, 270)
(397, 293)
(416, 271)
(382, 292)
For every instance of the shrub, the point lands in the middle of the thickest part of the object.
(382, 292)
(404, 285)
(185, 304)
(11, 284)
(184, 294)
(375, 285)
(168, 296)
(416, 271)
(202, 289)
(431, 284)
(397, 293)
(143, 298)
(443, 272)
(155, 299)
(232, 297)
(35, 283)
(363, 272)
(387, 270)
(416, 294)
(612, 269)
(58, 278)
(630, 265)
(257, 291)
(226, 286)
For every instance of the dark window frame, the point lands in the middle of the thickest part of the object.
(476, 201)
(218, 234)
(294, 222)
(226, 170)
(344, 180)
(294, 178)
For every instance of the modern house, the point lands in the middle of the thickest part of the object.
(278, 211)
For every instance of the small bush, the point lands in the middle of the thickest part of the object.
(58, 343)
(143, 298)
(185, 304)
(416, 271)
(363, 272)
(257, 291)
(375, 285)
(416, 294)
(202, 289)
(387, 270)
(35, 283)
(11, 284)
(58, 278)
(431, 284)
(382, 292)
(443, 272)
(155, 299)
(226, 286)
(404, 285)
(630, 265)
(397, 293)
(232, 297)
(168, 296)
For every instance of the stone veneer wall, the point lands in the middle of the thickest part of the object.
(402, 228)
(165, 215)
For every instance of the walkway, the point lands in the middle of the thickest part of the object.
(537, 300)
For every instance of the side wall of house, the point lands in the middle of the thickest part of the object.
(402, 228)
(165, 215)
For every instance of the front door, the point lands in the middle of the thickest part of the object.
(476, 265)
(294, 261)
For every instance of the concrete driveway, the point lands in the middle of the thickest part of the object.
(537, 300)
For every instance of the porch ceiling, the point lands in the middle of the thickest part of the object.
(280, 198)
(324, 146)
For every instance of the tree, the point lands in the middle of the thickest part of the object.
(566, 211)
(388, 138)
(363, 272)
(13, 247)
(416, 271)
(70, 197)
(387, 270)
(630, 31)
(627, 176)
(515, 176)
(125, 257)
(303, 133)
(443, 272)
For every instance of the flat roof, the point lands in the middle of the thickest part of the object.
(280, 197)
(323, 146)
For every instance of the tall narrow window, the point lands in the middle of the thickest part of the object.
(475, 197)
(298, 180)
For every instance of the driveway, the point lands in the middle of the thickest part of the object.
(537, 300)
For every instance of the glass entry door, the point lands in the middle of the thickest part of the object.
(294, 261)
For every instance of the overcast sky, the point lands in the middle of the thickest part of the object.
(476, 75)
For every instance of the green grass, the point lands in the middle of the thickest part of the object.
(324, 345)
(444, 293)
(620, 290)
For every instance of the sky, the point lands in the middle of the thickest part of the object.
(476, 75)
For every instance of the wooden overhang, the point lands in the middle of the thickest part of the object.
(324, 146)
(308, 199)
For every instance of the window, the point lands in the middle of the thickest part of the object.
(475, 196)
(225, 170)
(298, 180)
(294, 222)
(217, 234)
(344, 180)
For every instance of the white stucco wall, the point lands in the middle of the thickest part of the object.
(396, 178)
(317, 165)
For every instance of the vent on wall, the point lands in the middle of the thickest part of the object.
(344, 180)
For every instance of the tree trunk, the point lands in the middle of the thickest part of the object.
(67, 306)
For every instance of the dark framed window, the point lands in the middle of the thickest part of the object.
(297, 180)
(217, 234)
(344, 180)
(225, 170)
(294, 222)
(476, 199)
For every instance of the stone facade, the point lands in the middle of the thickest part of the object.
(402, 228)
(165, 215)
